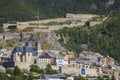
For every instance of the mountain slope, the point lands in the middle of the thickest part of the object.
(22, 10)
(15, 10)
(102, 38)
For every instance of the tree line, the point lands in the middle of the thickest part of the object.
(103, 38)
(19, 74)
(24, 10)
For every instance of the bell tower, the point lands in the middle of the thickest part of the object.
(38, 48)
(28, 43)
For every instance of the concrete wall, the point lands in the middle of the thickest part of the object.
(5, 25)
(89, 72)
(117, 75)
(29, 57)
(77, 71)
(92, 23)
(82, 17)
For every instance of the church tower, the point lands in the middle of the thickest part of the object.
(28, 43)
(38, 48)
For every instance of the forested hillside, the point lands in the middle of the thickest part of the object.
(22, 10)
(104, 38)
(15, 10)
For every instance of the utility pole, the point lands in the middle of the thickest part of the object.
(38, 17)
(49, 34)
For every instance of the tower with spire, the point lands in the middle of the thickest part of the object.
(38, 48)
(28, 43)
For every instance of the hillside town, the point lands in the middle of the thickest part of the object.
(59, 40)
(87, 64)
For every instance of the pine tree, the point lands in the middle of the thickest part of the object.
(17, 71)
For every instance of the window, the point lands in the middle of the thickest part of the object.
(119, 75)
(18, 54)
(86, 66)
(83, 66)
(28, 54)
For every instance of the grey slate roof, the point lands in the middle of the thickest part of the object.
(60, 76)
(82, 60)
(45, 55)
(24, 49)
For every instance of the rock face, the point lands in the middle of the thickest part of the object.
(33, 36)
(109, 3)
(53, 40)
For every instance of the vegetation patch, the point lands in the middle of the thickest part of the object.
(101, 38)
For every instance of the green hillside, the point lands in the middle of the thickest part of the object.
(22, 10)
(15, 10)
(104, 38)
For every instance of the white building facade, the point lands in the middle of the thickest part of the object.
(60, 62)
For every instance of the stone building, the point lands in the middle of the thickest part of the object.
(107, 61)
(23, 54)
(67, 54)
(44, 59)
(26, 55)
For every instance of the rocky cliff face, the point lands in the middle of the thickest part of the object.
(109, 3)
